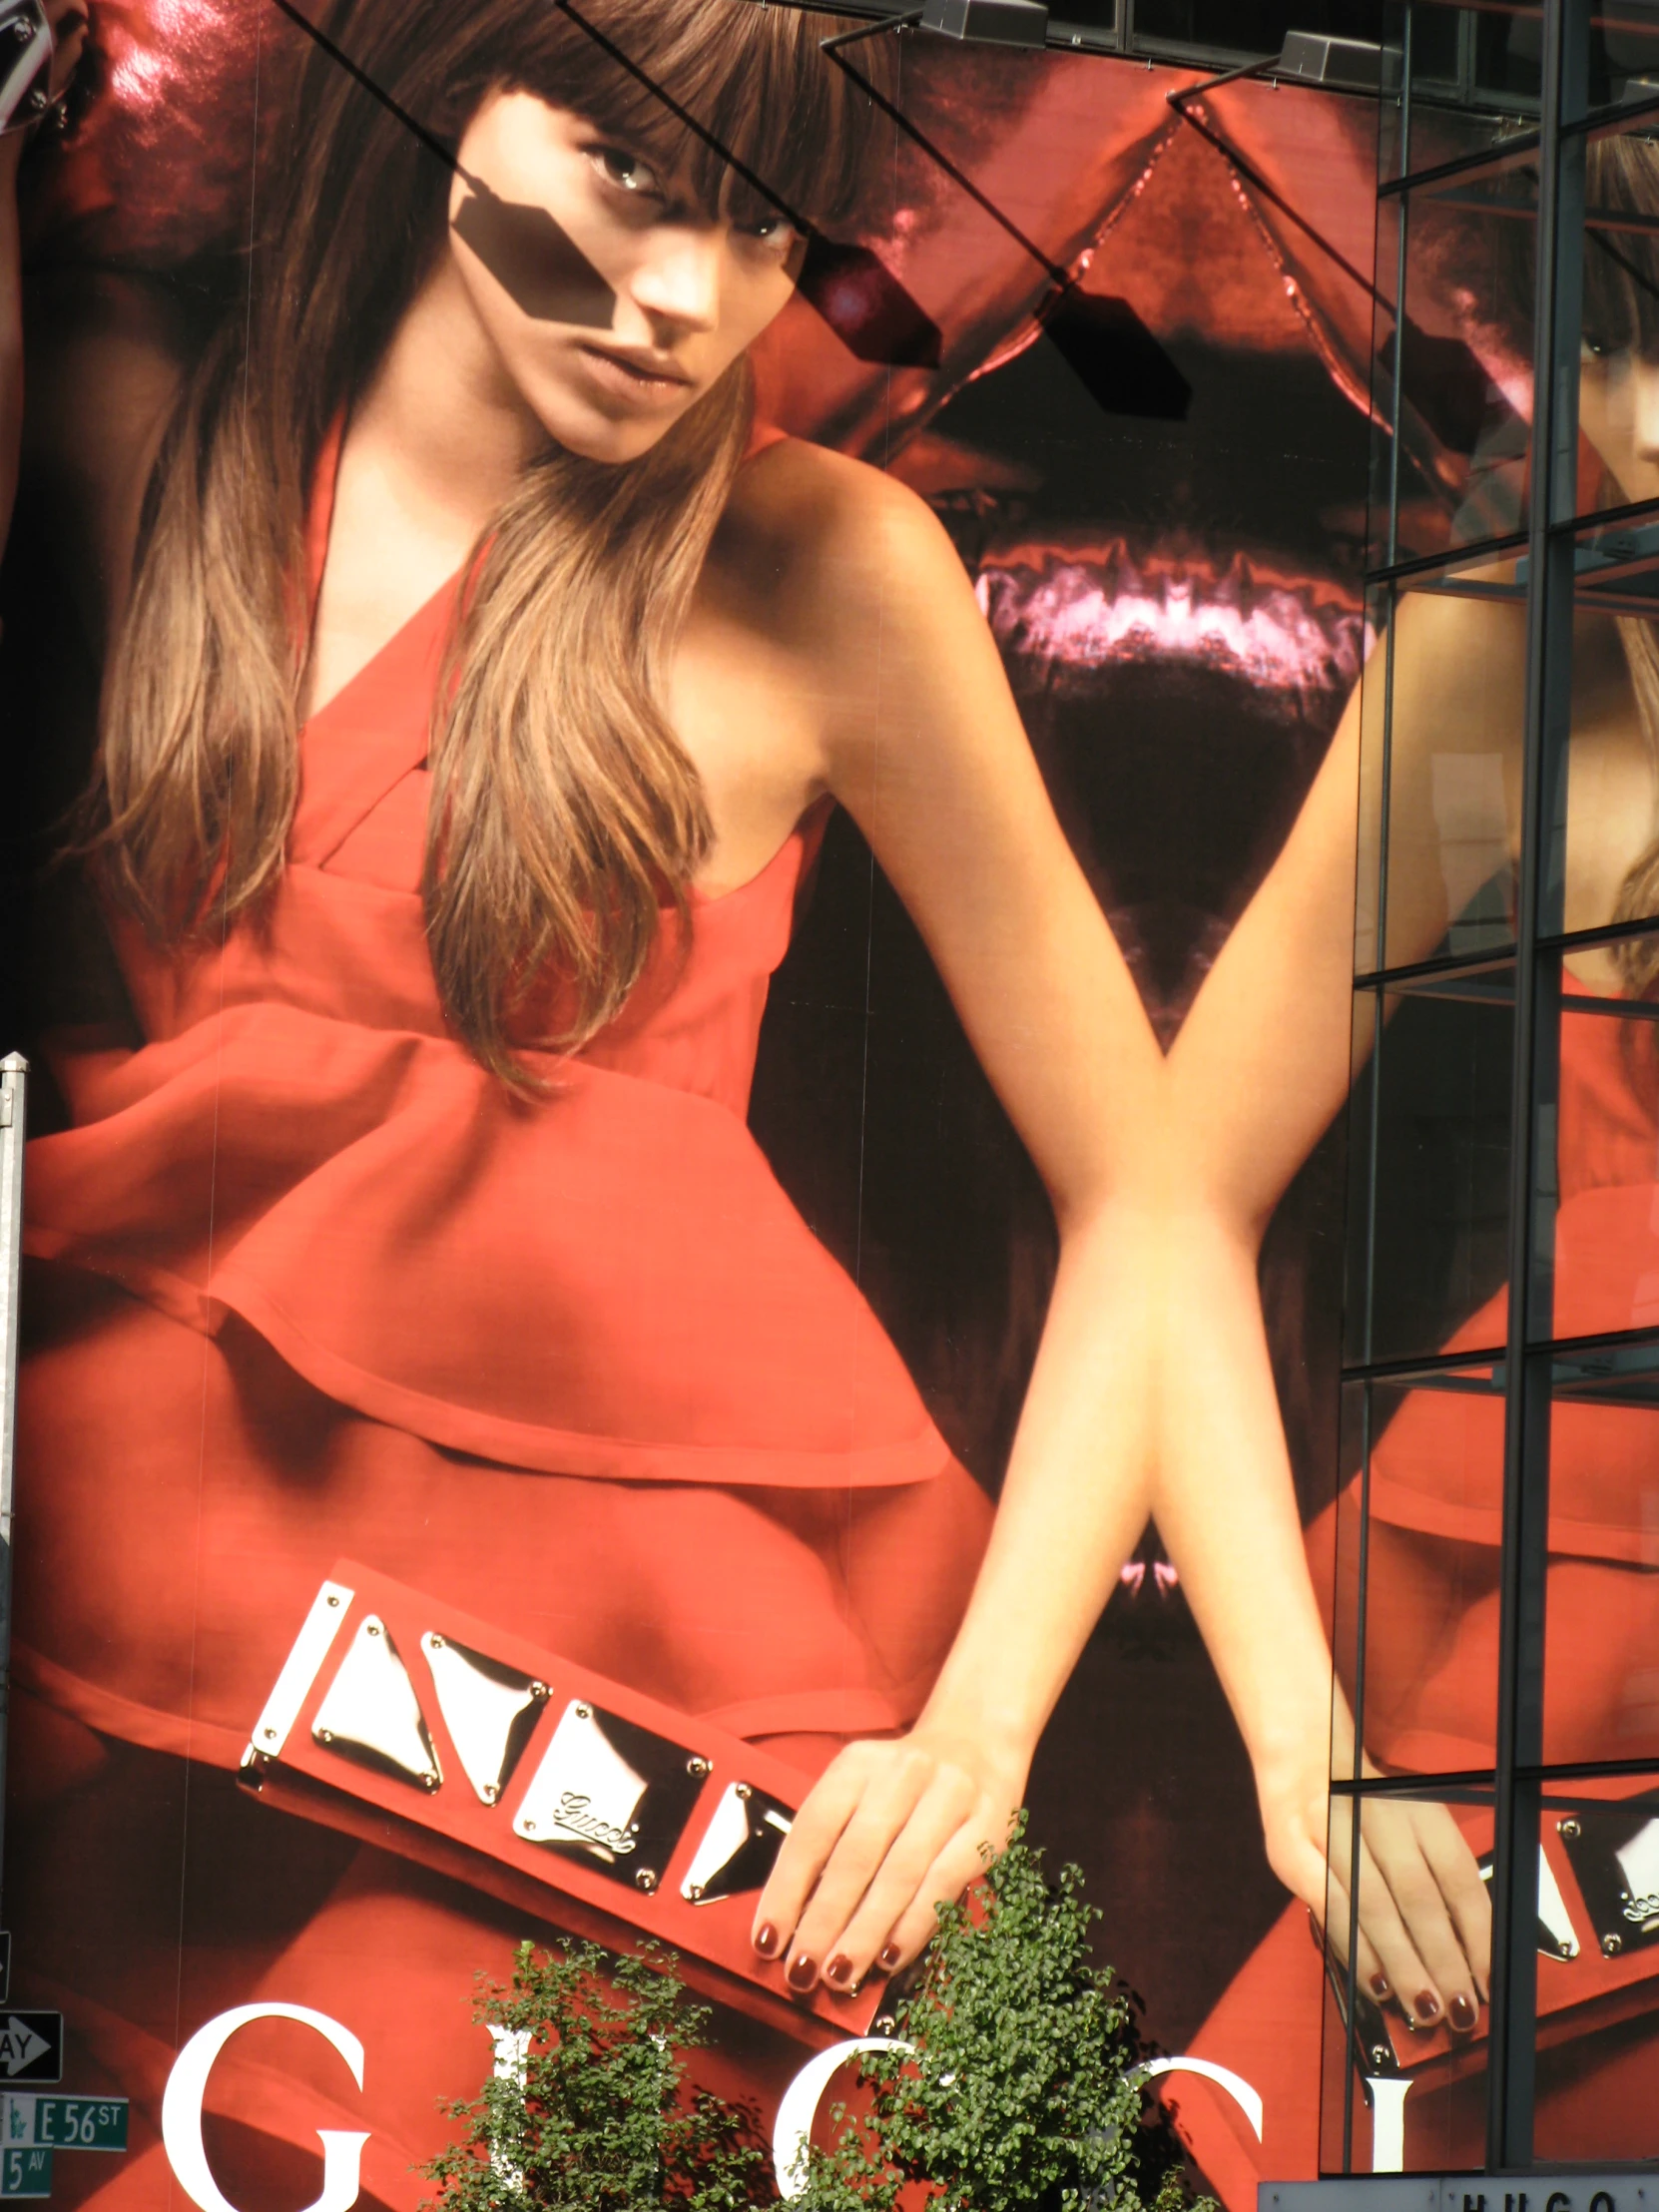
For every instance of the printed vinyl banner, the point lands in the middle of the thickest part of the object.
(648, 663)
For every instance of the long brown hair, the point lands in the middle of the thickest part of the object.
(564, 810)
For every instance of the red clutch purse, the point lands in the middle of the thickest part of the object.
(400, 1720)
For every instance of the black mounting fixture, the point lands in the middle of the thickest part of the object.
(1144, 30)
(1344, 64)
(995, 22)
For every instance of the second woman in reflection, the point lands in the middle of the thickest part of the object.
(1264, 1064)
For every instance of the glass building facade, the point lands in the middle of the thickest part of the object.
(1497, 1598)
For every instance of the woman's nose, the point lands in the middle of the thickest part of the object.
(679, 281)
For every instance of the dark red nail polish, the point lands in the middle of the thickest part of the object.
(1461, 2012)
(889, 1957)
(1427, 2005)
(765, 1939)
(838, 1973)
(1380, 1987)
(802, 1972)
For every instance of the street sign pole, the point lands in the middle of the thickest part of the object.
(14, 1071)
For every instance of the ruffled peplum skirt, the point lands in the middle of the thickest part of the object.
(303, 1289)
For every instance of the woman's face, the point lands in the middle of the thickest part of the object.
(1618, 412)
(609, 302)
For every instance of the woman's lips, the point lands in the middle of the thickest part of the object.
(639, 383)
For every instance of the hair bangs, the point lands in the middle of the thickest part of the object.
(1621, 255)
(775, 125)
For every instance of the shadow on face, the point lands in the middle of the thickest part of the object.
(538, 265)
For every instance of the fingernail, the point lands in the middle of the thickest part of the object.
(1380, 1987)
(1427, 2005)
(890, 1956)
(838, 1973)
(802, 1972)
(1461, 2012)
(765, 1939)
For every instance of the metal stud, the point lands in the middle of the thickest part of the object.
(644, 1878)
(1569, 1828)
(489, 1709)
(372, 1713)
(1612, 1944)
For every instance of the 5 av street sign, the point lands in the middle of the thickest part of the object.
(25, 2173)
(31, 2047)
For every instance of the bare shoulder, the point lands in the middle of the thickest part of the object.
(853, 589)
(817, 541)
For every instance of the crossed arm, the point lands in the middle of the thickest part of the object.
(924, 747)
(1153, 1390)
(1261, 1067)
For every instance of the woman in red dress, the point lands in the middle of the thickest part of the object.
(476, 687)
(1266, 1060)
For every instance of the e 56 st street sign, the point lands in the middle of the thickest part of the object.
(51, 2120)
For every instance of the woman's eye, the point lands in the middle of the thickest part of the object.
(626, 171)
(776, 231)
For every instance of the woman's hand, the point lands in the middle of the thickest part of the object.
(891, 1828)
(1424, 1913)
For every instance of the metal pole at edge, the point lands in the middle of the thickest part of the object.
(14, 1073)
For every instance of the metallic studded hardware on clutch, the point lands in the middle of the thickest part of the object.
(26, 49)
(404, 1721)
(1599, 1915)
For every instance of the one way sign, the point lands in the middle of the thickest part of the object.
(31, 2047)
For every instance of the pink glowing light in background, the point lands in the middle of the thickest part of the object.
(1088, 609)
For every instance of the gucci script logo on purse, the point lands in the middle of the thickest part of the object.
(574, 1817)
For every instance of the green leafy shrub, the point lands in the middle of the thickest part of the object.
(1020, 2090)
(1020, 2094)
(589, 2109)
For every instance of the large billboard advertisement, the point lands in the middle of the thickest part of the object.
(651, 649)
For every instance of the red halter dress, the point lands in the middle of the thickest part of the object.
(310, 1284)
(1433, 1642)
